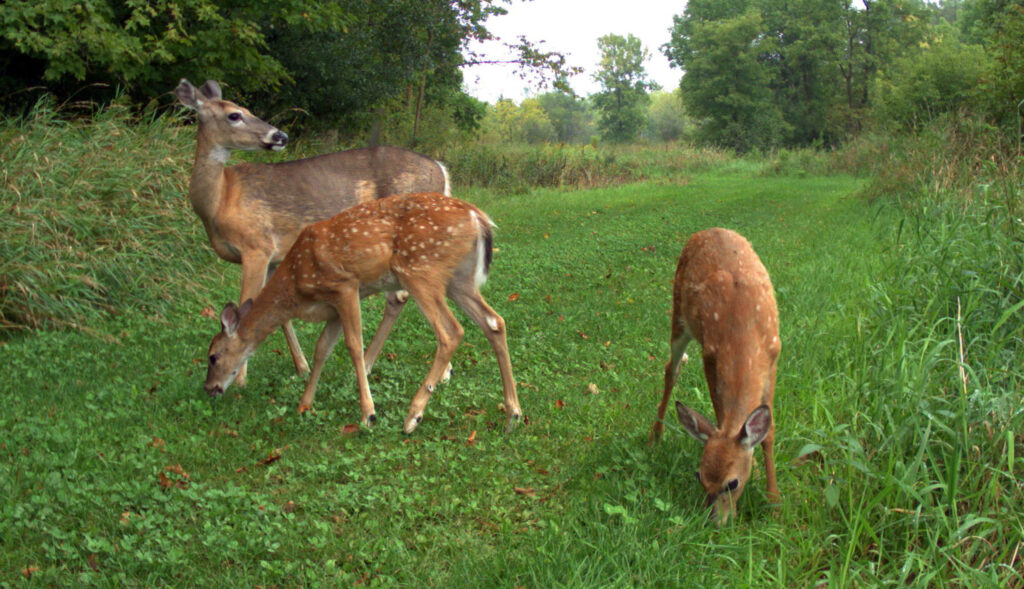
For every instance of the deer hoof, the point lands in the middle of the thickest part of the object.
(513, 421)
(371, 420)
(303, 408)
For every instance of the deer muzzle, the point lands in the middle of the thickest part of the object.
(214, 390)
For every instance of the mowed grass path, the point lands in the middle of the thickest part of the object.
(117, 470)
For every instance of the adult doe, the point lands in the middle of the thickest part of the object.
(253, 212)
(722, 297)
(431, 245)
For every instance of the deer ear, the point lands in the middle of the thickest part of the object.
(229, 318)
(694, 423)
(186, 94)
(245, 308)
(757, 426)
(211, 90)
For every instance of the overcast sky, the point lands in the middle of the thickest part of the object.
(572, 27)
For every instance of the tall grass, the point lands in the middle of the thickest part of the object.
(514, 169)
(953, 160)
(91, 216)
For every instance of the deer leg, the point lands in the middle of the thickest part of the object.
(395, 302)
(677, 357)
(493, 326)
(324, 346)
(254, 275)
(301, 366)
(347, 306)
(449, 334)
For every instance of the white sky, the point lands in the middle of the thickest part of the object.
(572, 27)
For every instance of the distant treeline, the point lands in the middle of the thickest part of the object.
(759, 74)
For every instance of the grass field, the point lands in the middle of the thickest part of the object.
(898, 409)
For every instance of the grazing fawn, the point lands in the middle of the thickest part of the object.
(429, 244)
(253, 212)
(722, 297)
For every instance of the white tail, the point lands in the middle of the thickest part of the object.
(253, 212)
(431, 245)
(722, 297)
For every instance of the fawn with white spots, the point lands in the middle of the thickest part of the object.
(429, 244)
(253, 212)
(722, 297)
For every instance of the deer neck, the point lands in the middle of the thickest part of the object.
(206, 186)
(270, 310)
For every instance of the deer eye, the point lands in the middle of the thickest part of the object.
(213, 359)
(235, 117)
(733, 484)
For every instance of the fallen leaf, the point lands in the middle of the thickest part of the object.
(513, 297)
(158, 443)
(94, 563)
(474, 412)
(350, 429)
(178, 470)
(274, 457)
(529, 492)
(208, 312)
(583, 335)
(28, 571)
(472, 437)
(289, 507)
(592, 389)
(559, 404)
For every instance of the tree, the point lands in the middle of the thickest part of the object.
(526, 123)
(143, 48)
(569, 116)
(344, 62)
(941, 78)
(667, 120)
(622, 101)
(726, 85)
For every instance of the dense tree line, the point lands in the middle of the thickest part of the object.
(758, 74)
(341, 62)
(767, 73)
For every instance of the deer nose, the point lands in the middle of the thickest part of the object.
(213, 390)
(279, 138)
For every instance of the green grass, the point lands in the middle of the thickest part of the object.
(117, 470)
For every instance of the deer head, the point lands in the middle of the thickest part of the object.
(227, 124)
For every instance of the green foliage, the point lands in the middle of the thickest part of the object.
(666, 117)
(726, 85)
(781, 73)
(524, 123)
(569, 116)
(1003, 87)
(145, 47)
(621, 103)
(941, 79)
